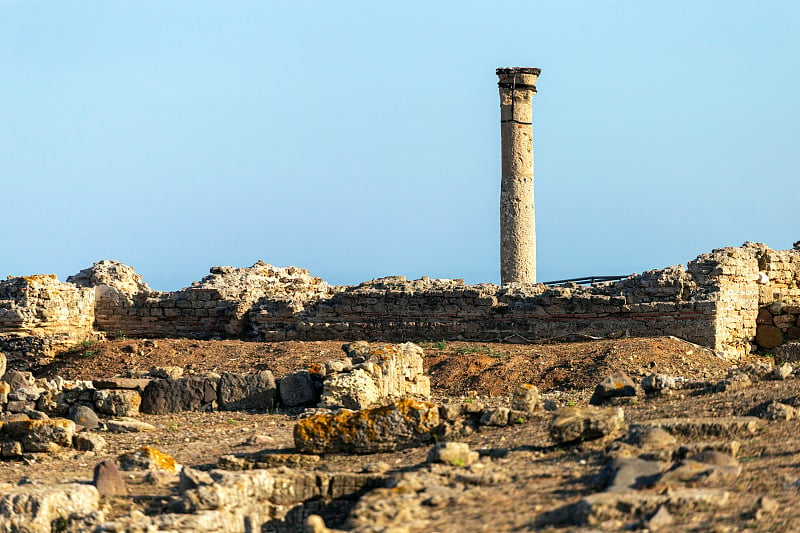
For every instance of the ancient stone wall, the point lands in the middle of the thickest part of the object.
(216, 306)
(40, 313)
(715, 300)
(778, 297)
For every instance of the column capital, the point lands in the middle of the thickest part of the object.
(518, 78)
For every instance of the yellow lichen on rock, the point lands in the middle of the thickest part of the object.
(401, 424)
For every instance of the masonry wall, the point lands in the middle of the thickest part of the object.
(716, 300)
(39, 314)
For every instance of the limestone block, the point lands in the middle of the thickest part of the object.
(395, 370)
(35, 508)
(149, 458)
(117, 402)
(41, 435)
(352, 390)
(399, 425)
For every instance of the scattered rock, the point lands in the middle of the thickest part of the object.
(496, 416)
(652, 437)
(149, 458)
(162, 396)
(526, 398)
(453, 454)
(248, 391)
(41, 435)
(17, 379)
(633, 473)
(787, 353)
(166, 372)
(128, 425)
(704, 427)
(735, 381)
(117, 402)
(89, 442)
(779, 411)
(108, 480)
(782, 372)
(3, 363)
(84, 416)
(398, 425)
(658, 384)
(572, 424)
(660, 519)
(699, 473)
(598, 508)
(617, 385)
(297, 389)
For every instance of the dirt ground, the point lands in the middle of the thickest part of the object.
(455, 368)
(533, 476)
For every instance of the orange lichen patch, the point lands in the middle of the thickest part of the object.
(528, 386)
(161, 460)
(315, 368)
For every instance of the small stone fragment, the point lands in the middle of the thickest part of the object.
(572, 424)
(132, 426)
(166, 372)
(660, 519)
(782, 372)
(526, 398)
(617, 385)
(108, 480)
(779, 411)
(497, 416)
(84, 416)
(453, 454)
(89, 442)
(658, 384)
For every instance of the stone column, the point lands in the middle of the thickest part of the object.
(517, 224)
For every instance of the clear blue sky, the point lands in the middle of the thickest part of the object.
(361, 139)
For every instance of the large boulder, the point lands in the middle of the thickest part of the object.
(162, 396)
(247, 391)
(402, 424)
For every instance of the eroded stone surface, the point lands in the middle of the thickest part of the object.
(398, 425)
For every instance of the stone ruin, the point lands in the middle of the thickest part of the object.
(732, 300)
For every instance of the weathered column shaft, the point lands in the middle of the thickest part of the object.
(517, 217)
